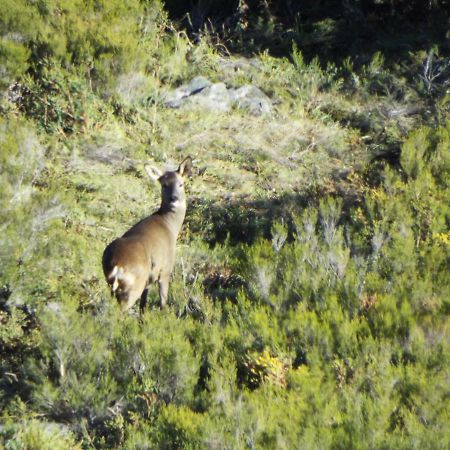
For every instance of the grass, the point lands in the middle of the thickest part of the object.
(309, 302)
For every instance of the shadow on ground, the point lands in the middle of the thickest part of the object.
(331, 30)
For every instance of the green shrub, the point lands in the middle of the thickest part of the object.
(179, 427)
(309, 303)
(37, 435)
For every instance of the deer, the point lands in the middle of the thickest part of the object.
(145, 254)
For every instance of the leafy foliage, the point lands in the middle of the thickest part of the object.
(310, 302)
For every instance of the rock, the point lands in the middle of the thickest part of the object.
(201, 93)
(197, 84)
(251, 98)
(214, 98)
(174, 99)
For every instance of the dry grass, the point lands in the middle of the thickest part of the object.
(239, 154)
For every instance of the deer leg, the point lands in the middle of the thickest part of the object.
(163, 283)
(143, 302)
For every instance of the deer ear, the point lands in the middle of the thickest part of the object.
(153, 172)
(185, 168)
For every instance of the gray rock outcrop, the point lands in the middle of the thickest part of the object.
(201, 93)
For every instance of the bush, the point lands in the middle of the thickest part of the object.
(37, 435)
(309, 305)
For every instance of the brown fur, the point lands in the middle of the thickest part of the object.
(145, 254)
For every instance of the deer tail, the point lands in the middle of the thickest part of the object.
(119, 274)
(114, 277)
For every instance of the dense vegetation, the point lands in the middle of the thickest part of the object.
(310, 303)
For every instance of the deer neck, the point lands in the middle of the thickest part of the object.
(173, 214)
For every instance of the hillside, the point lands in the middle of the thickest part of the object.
(309, 306)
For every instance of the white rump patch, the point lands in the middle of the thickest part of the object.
(118, 273)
